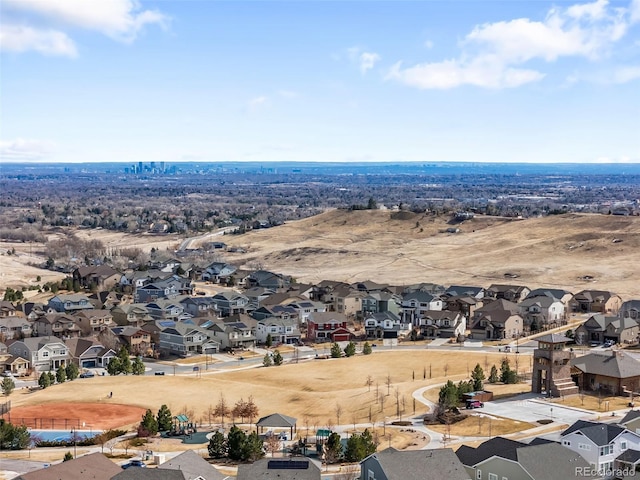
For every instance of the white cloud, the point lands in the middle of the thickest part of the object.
(20, 38)
(121, 20)
(493, 53)
(21, 149)
(635, 11)
(364, 60)
(626, 74)
(258, 102)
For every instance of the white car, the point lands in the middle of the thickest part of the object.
(7, 373)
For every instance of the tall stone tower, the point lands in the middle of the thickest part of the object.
(551, 367)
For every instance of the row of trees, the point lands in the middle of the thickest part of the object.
(359, 446)
(151, 425)
(63, 373)
(122, 364)
(236, 446)
(13, 437)
(243, 409)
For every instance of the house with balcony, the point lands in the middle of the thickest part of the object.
(385, 325)
(283, 331)
(232, 335)
(70, 302)
(231, 303)
(379, 302)
(415, 303)
(42, 353)
(92, 322)
(328, 326)
(442, 324)
(466, 305)
(131, 315)
(57, 324)
(304, 308)
(137, 341)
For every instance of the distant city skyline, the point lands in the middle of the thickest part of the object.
(350, 81)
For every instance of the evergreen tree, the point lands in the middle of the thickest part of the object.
(368, 443)
(125, 361)
(269, 341)
(61, 374)
(277, 358)
(266, 361)
(113, 367)
(149, 425)
(477, 376)
(371, 204)
(366, 349)
(235, 443)
(44, 380)
(464, 387)
(252, 449)
(448, 397)
(72, 371)
(506, 374)
(164, 419)
(493, 375)
(137, 367)
(350, 349)
(7, 386)
(13, 437)
(52, 378)
(355, 449)
(333, 448)
(217, 445)
(67, 456)
(336, 352)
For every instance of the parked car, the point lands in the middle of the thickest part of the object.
(87, 374)
(159, 373)
(474, 404)
(134, 463)
(609, 343)
(7, 373)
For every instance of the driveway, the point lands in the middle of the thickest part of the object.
(531, 408)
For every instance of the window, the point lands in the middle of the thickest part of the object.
(45, 354)
(623, 445)
(371, 475)
(584, 446)
(606, 450)
(479, 474)
(493, 476)
(566, 442)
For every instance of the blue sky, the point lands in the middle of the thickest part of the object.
(426, 81)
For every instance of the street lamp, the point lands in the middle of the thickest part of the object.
(73, 436)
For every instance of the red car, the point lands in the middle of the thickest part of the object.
(474, 404)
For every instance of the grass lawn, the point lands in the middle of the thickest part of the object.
(499, 390)
(478, 424)
(592, 402)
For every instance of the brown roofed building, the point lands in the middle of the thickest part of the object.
(94, 466)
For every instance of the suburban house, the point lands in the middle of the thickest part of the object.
(392, 464)
(14, 327)
(600, 328)
(92, 322)
(614, 372)
(328, 326)
(200, 306)
(596, 301)
(70, 302)
(187, 339)
(500, 458)
(513, 293)
(138, 341)
(218, 272)
(599, 443)
(156, 290)
(105, 299)
(293, 468)
(233, 335)
(443, 324)
(282, 330)
(231, 303)
(497, 320)
(101, 468)
(256, 295)
(279, 311)
(377, 324)
(464, 291)
(266, 279)
(7, 309)
(377, 302)
(18, 366)
(630, 309)
(101, 277)
(167, 309)
(43, 353)
(467, 306)
(345, 300)
(88, 353)
(416, 303)
(131, 314)
(563, 295)
(58, 324)
(631, 421)
(306, 307)
(193, 467)
(542, 312)
(369, 286)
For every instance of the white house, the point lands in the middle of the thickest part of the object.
(599, 443)
(415, 304)
(43, 353)
(282, 330)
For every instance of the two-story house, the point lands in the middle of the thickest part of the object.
(281, 330)
(304, 308)
(231, 303)
(137, 341)
(167, 309)
(7, 309)
(595, 301)
(443, 324)
(497, 320)
(513, 293)
(200, 306)
(630, 309)
(43, 353)
(102, 277)
(233, 335)
(599, 443)
(328, 326)
(92, 322)
(14, 327)
(71, 302)
(89, 353)
(416, 303)
(378, 302)
(131, 314)
(542, 312)
(264, 278)
(385, 325)
(392, 464)
(187, 339)
(57, 324)
(600, 328)
(218, 272)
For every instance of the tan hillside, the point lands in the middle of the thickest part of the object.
(402, 248)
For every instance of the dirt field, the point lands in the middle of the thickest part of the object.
(98, 416)
(308, 391)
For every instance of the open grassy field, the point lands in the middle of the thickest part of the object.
(308, 391)
(480, 425)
